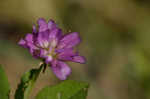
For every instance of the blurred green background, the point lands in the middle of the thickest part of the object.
(115, 40)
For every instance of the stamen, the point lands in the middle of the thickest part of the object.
(45, 44)
(53, 43)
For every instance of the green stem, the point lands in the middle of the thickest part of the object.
(27, 82)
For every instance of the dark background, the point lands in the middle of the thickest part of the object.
(115, 40)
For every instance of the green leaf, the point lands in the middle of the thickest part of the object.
(27, 82)
(4, 85)
(66, 90)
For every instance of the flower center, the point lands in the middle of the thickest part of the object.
(49, 48)
(45, 44)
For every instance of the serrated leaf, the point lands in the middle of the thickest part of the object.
(4, 85)
(66, 90)
(27, 82)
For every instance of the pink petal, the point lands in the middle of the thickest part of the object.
(22, 42)
(55, 34)
(61, 70)
(69, 41)
(34, 29)
(66, 54)
(42, 39)
(28, 43)
(42, 25)
(78, 59)
(29, 38)
(51, 25)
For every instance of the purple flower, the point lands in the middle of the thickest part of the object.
(50, 44)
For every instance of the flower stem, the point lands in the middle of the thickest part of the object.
(27, 82)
